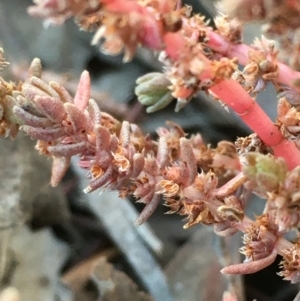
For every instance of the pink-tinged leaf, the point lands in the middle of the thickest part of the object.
(89, 123)
(51, 108)
(67, 150)
(148, 210)
(151, 166)
(82, 96)
(60, 166)
(187, 155)
(104, 159)
(42, 85)
(231, 186)
(94, 112)
(48, 134)
(162, 152)
(35, 68)
(76, 116)
(250, 267)
(102, 138)
(143, 193)
(100, 181)
(114, 143)
(31, 91)
(64, 95)
(138, 162)
(125, 134)
(30, 119)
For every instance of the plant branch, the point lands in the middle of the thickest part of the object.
(235, 97)
(216, 42)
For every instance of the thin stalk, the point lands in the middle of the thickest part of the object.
(231, 186)
(286, 75)
(235, 97)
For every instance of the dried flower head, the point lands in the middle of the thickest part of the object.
(126, 24)
(288, 120)
(252, 143)
(290, 263)
(195, 211)
(231, 29)
(258, 243)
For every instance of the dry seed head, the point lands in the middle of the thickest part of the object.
(230, 29)
(96, 171)
(290, 263)
(257, 243)
(121, 162)
(224, 68)
(167, 188)
(231, 214)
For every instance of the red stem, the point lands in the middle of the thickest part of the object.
(216, 42)
(235, 97)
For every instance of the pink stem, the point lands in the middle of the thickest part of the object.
(251, 266)
(231, 186)
(216, 42)
(235, 97)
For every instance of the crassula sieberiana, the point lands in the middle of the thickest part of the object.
(207, 185)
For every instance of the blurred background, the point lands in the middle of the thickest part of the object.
(58, 244)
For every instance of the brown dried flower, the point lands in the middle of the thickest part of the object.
(291, 264)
